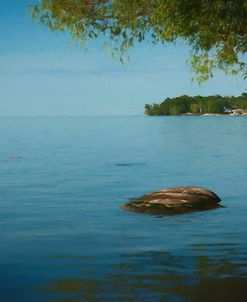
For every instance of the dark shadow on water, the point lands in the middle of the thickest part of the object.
(123, 165)
(130, 164)
(204, 273)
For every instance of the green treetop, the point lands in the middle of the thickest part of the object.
(216, 30)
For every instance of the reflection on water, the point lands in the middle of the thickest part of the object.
(214, 272)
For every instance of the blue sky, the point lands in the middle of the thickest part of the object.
(42, 74)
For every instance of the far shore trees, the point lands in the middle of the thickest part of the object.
(198, 105)
(215, 30)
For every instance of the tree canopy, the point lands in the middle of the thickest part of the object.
(215, 30)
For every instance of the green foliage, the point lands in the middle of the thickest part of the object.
(215, 30)
(197, 105)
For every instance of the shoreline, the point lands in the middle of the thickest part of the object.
(212, 114)
(194, 114)
(202, 115)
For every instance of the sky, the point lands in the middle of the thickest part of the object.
(43, 73)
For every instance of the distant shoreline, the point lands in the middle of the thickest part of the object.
(200, 106)
(209, 114)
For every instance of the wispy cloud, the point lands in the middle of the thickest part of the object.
(79, 64)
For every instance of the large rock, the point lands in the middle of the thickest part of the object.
(174, 201)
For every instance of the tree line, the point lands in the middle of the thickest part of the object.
(197, 105)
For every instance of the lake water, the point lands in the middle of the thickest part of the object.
(65, 238)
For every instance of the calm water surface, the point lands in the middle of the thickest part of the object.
(64, 237)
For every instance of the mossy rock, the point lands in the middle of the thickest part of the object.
(171, 201)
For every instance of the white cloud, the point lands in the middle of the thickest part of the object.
(50, 61)
(82, 63)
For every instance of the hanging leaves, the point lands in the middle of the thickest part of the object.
(216, 30)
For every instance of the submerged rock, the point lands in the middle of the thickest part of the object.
(14, 157)
(174, 201)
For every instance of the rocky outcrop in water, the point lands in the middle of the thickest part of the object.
(178, 200)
